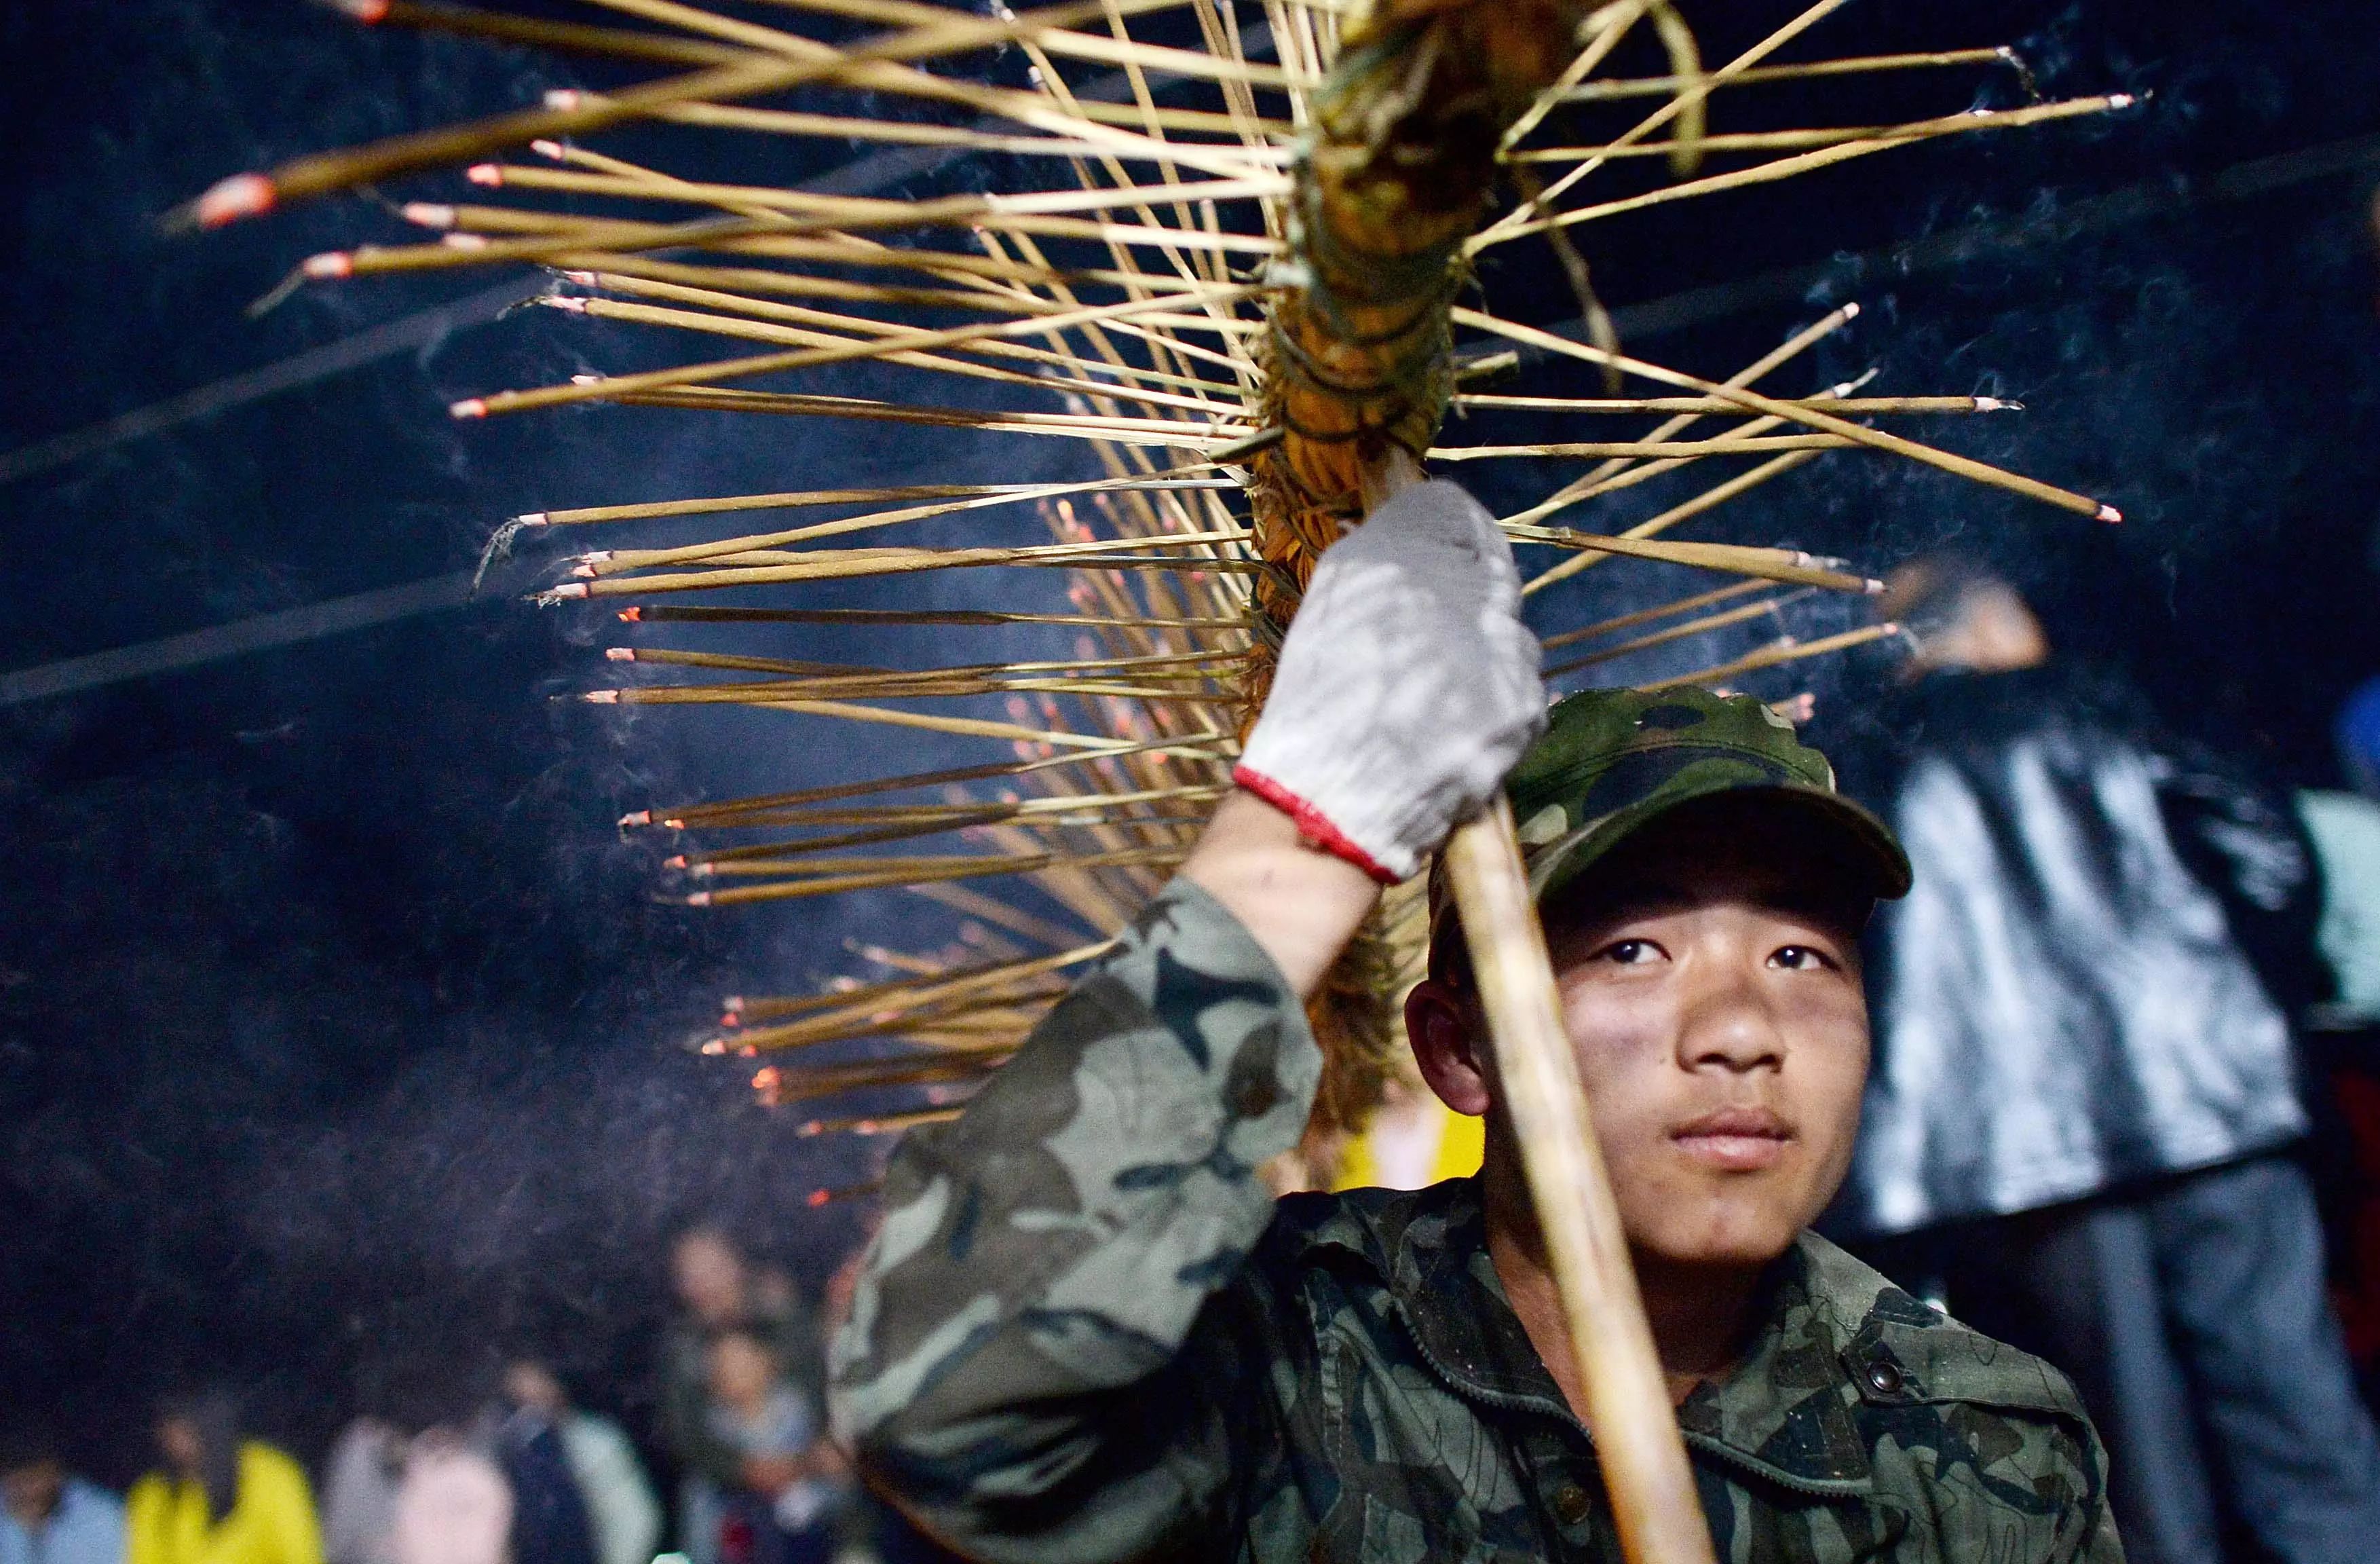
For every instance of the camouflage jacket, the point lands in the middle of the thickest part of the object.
(1087, 1333)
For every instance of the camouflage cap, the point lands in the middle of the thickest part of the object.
(1613, 760)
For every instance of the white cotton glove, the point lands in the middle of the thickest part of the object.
(1407, 687)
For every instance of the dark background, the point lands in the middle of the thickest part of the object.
(337, 1019)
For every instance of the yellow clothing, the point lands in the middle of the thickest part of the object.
(1412, 1143)
(165, 1520)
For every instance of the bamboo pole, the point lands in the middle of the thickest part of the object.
(1637, 1440)
(1808, 416)
(1628, 1410)
(1614, 89)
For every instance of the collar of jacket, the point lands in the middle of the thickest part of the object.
(1785, 1413)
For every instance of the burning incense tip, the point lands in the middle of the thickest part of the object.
(714, 1046)
(699, 898)
(1850, 311)
(2121, 100)
(816, 1198)
(675, 860)
(531, 518)
(619, 654)
(601, 697)
(428, 214)
(672, 825)
(469, 407)
(365, 11)
(547, 149)
(585, 379)
(632, 615)
(731, 1020)
(565, 302)
(487, 174)
(330, 263)
(563, 98)
(2111, 516)
(636, 817)
(464, 241)
(228, 200)
(1873, 588)
(584, 279)
(733, 1004)
(699, 870)
(1998, 404)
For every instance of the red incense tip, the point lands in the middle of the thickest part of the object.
(632, 615)
(2111, 516)
(568, 303)
(469, 407)
(489, 173)
(816, 1198)
(330, 263)
(365, 11)
(601, 697)
(242, 195)
(714, 1046)
(699, 898)
(675, 860)
(731, 1021)
(584, 279)
(636, 817)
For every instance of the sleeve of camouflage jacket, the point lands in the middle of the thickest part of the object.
(1047, 1356)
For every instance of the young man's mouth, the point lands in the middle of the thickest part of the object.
(1736, 1140)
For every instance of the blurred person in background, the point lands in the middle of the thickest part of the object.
(50, 1516)
(453, 1503)
(787, 1506)
(359, 1484)
(2084, 1099)
(550, 1522)
(2343, 1038)
(220, 1498)
(719, 1289)
(622, 1513)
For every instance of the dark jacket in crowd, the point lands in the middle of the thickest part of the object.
(550, 1523)
(2068, 1001)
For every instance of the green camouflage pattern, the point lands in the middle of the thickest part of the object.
(1611, 759)
(1086, 1332)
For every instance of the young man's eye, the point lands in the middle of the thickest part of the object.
(1631, 952)
(1801, 959)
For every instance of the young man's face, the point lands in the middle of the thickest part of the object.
(1709, 973)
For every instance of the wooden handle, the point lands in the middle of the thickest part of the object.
(1628, 1409)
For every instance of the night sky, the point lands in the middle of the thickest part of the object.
(337, 1018)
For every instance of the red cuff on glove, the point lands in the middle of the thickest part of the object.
(1312, 824)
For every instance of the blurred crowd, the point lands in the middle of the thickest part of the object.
(443, 1465)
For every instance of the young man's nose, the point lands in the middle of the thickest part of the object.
(1725, 1023)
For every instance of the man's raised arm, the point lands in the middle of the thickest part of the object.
(1052, 1355)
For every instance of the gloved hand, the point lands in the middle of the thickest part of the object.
(1407, 687)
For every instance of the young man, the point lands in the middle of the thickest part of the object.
(1087, 1333)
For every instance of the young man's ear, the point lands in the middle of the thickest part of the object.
(1442, 1024)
